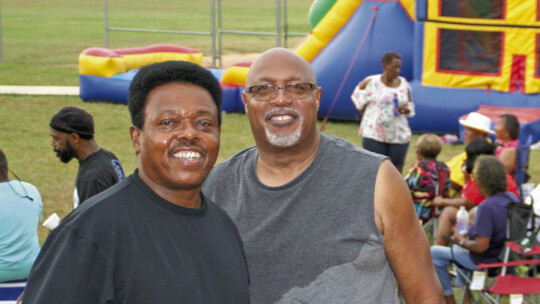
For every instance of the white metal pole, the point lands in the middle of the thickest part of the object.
(213, 12)
(106, 24)
(278, 22)
(1, 56)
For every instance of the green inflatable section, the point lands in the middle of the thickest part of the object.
(319, 8)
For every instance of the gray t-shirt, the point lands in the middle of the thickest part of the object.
(313, 240)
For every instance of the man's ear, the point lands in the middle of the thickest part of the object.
(318, 94)
(135, 138)
(74, 139)
(245, 101)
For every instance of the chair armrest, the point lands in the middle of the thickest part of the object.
(511, 263)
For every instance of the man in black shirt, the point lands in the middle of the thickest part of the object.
(72, 132)
(153, 237)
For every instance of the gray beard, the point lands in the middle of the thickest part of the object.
(284, 140)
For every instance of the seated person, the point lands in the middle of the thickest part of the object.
(470, 195)
(485, 238)
(19, 218)
(427, 177)
(476, 126)
(507, 132)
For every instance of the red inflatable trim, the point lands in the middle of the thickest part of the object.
(103, 52)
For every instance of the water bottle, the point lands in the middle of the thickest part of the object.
(462, 220)
(396, 105)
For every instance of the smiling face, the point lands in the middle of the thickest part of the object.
(179, 143)
(282, 121)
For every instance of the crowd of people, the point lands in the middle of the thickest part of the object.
(290, 220)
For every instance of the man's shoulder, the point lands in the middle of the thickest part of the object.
(238, 159)
(28, 185)
(104, 204)
(102, 163)
(336, 144)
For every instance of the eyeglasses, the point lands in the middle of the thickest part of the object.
(267, 92)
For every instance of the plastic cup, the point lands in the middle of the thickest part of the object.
(52, 221)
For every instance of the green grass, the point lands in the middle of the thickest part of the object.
(42, 39)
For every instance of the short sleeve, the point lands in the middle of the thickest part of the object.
(484, 223)
(70, 269)
(359, 98)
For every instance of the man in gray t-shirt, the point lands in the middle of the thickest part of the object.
(322, 220)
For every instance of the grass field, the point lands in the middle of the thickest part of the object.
(42, 39)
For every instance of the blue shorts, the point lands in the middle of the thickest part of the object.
(396, 152)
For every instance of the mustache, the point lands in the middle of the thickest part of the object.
(275, 110)
(187, 143)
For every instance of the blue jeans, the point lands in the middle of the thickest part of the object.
(396, 152)
(442, 258)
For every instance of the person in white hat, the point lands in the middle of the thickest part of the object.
(476, 125)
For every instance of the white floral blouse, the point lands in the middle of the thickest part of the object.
(380, 120)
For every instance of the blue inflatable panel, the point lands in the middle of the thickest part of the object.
(217, 73)
(94, 88)
(392, 30)
(232, 100)
(126, 76)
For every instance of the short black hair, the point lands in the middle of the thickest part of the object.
(3, 166)
(162, 73)
(511, 123)
(475, 148)
(490, 175)
(389, 56)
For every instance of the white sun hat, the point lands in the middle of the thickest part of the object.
(477, 122)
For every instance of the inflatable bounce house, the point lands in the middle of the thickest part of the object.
(458, 55)
(105, 74)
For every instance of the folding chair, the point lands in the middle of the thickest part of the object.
(466, 276)
(431, 222)
(11, 290)
(522, 250)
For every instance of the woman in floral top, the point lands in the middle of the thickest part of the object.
(385, 102)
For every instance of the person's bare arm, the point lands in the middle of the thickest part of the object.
(362, 85)
(508, 157)
(440, 201)
(405, 242)
(479, 245)
(405, 108)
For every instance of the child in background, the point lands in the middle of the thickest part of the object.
(428, 177)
